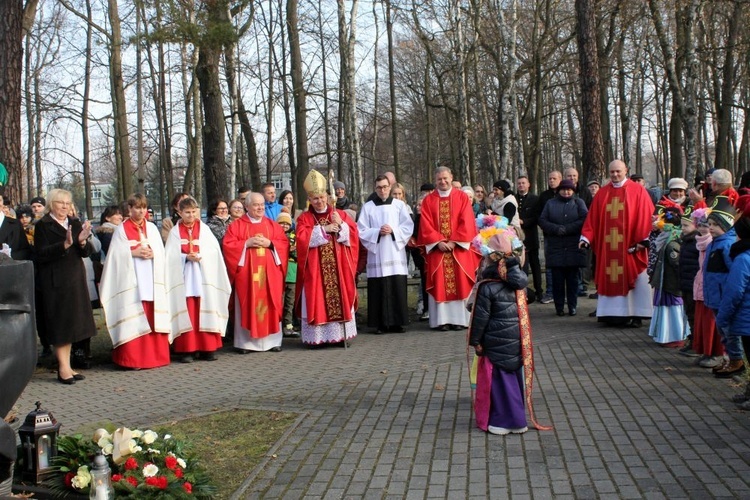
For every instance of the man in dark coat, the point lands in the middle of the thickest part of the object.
(12, 233)
(553, 181)
(527, 212)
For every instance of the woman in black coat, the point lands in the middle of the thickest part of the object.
(561, 221)
(60, 244)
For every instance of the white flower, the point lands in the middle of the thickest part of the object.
(108, 449)
(136, 434)
(133, 446)
(82, 478)
(153, 451)
(167, 436)
(104, 441)
(181, 463)
(100, 434)
(149, 437)
(150, 470)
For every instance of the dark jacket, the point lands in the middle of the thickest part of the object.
(544, 197)
(529, 215)
(62, 279)
(12, 233)
(494, 320)
(689, 259)
(666, 275)
(561, 221)
(582, 191)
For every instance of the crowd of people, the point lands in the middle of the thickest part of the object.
(260, 269)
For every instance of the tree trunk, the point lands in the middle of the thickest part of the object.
(85, 114)
(593, 153)
(119, 111)
(392, 89)
(214, 164)
(299, 96)
(11, 72)
(723, 148)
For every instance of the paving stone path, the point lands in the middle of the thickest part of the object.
(390, 417)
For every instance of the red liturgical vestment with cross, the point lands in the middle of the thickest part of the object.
(619, 218)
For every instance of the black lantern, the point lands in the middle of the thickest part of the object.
(38, 444)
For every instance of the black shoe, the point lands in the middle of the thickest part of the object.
(188, 358)
(78, 376)
(633, 323)
(397, 329)
(592, 314)
(560, 312)
(530, 298)
(242, 351)
(456, 328)
(209, 356)
(593, 295)
(275, 349)
(442, 328)
(573, 312)
(66, 381)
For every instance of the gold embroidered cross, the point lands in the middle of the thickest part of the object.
(614, 207)
(260, 276)
(614, 271)
(613, 239)
(261, 309)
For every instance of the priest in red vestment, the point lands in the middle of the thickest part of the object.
(446, 229)
(256, 252)
(617, 229)
(327, 250)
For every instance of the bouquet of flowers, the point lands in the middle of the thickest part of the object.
(144, 465)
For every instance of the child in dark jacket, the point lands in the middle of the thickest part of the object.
(715, 273)
(688, 270)
(501, 336)
(668, 324)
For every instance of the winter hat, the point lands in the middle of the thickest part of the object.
(677, 183)
(22, 210)
(495, 235)
(339, 185)
(427, 186)
(38, 199)
(687, 214)
(594, 182)
(502, 185)
(566, 184)
(710, 171)
(722, 213)
(284, 217)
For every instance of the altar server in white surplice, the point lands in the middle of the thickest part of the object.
(385, 227)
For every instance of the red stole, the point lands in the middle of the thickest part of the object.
(136, 234)
(450, 275)
(618, 219)
(190, 238)
(259, 283)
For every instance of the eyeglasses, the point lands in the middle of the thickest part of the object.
(63, 203)
(221, 209)
(380, 188)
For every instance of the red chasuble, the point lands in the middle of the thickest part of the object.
(450, 275)
(135, 233)
(328, 272)
(259, 283)
(190, 238)
(618, 219)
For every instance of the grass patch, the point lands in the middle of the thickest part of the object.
(231, 443)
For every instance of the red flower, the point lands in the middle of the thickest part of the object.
(152, 481)
(187, 487)
(170, 462)
(163, 482)
(178, 473)
(69, 479)
(132, 480)
(131, 464)
(117, 477)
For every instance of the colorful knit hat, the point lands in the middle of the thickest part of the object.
(723, 213)
(496, 236)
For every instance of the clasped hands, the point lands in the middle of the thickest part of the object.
(385, 229)
(446, 246)
(335, 226)
(257, 242)
(82, 237)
